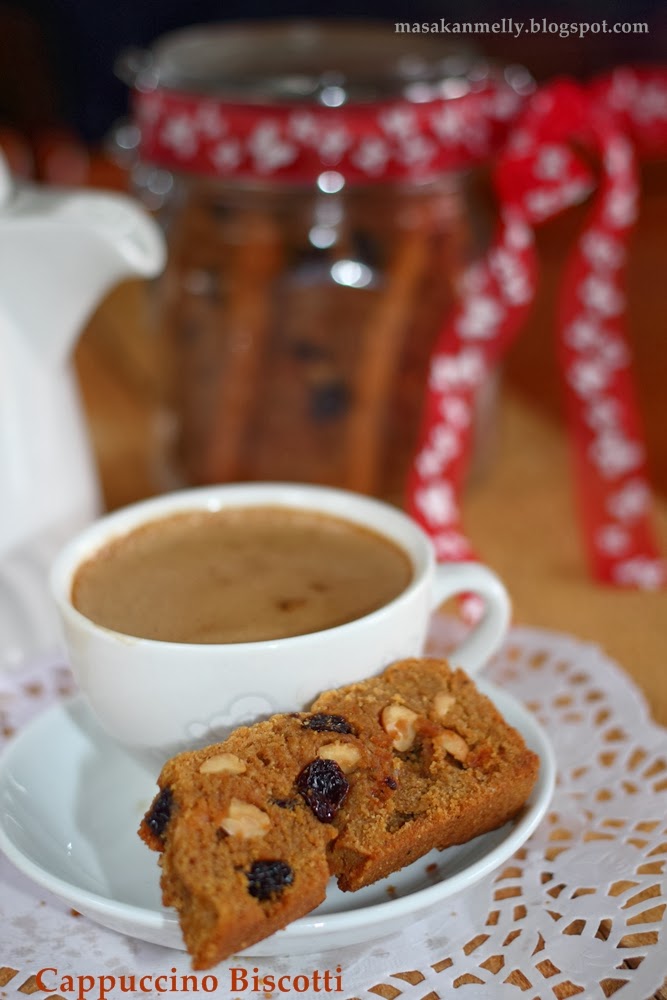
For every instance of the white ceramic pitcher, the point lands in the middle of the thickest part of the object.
(60, 252)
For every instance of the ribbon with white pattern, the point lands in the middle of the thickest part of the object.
(539, 173)
(371, 142)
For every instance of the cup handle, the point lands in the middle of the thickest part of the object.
(487, 636)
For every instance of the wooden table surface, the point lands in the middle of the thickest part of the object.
(520, 515)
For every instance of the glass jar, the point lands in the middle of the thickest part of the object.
(317, 233)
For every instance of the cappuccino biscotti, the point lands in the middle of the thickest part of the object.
(374, 776)
(243, 826)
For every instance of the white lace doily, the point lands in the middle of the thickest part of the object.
(580, 910)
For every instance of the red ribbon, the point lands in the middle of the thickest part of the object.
(539, 173)
(295, 143)
(543, 145)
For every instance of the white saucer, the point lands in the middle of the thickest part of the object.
(71, 800)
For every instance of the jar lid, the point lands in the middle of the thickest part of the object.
(311, 61)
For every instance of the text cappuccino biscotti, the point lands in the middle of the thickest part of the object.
(375, 775)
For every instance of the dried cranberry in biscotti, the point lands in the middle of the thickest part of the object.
(322, 723)
(267, 879)
(324, 788)
(160, 812)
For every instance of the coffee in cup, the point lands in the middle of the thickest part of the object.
(239, 574)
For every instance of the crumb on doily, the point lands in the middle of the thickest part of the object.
(34, 689)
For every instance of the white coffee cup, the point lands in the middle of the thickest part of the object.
(162, 696)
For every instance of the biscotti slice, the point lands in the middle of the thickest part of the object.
(460, 769)
(374, 776)
(243, 826)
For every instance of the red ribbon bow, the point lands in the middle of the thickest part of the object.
(538, 174)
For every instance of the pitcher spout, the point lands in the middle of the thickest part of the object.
(61, 252)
